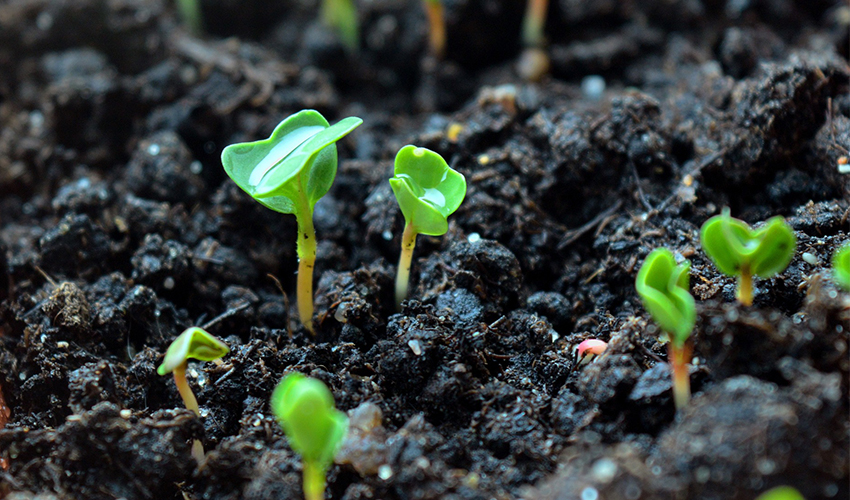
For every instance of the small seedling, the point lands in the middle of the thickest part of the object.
(427, 191)
(436, 27)
(663, 288)
(781, 493)
(304, 408)
(190, 13)
(738, 250)
(341, 16)
(193, 343)
(533, 23)
(588, 350)
(289, 172)
(841, 267)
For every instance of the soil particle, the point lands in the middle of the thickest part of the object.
(161, 169)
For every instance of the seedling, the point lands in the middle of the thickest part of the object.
(841, 267)
(341, 16)
(436, 26)
(781, 493)
(289, 172)
(304, 407)
(194, 343)
(533, 23)
(663, 288)
(588, 350)
(738, 250)
(190, 13)
(427, 191)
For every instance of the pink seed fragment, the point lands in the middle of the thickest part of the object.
(591, 347)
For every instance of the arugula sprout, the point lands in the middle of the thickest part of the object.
(289, 172)
(427, 191)
(304, 408)
(341, 16)
(436, 26)
(663, 288)
(193, 343)
(841, 266)
(738, 250)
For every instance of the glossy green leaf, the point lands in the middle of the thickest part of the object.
(733, 246)
(663, 287)
(193, 343)
(304, 407)
(296, 163)
(427, 189)
(781, 493)
(841, 267)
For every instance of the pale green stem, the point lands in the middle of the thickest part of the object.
(678, 356)
(437, 26)
(408, 242)
(534, 22)
(306, 249)
(191, 403)
(314, 481)
(745, 287)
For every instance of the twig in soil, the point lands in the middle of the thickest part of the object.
(573, 235)
(285, 303)
(226, 314)
(641, 195)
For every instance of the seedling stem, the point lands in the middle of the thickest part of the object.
(314, 481)
(306, 249)
(678, 355)
(191, 403)
(437, 26)
(408, 242)
(745, 287)
(533, 23)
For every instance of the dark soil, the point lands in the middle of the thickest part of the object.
(119, 228)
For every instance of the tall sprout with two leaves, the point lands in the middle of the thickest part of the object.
(739, 251)
(663, 288)
(289, 172)
(427, 191)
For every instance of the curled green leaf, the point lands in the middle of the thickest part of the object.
(663, 287)
(427, 189)
(194, 343)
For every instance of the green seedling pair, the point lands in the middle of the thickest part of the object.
(295, 167)
(193, 343)
(304, 408)
(739, 251)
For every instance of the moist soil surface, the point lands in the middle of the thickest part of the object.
(119, 229)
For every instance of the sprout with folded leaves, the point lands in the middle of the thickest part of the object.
(304, 407)
(193, 343)
(738, 250)
(663, 288)
(588, 350)
(841, 267)
(427, 191)
(289, 172)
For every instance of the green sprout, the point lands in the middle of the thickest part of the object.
(663, 288)
(781, 493)
(427, 191)
(194, 343)
(190, 13)
(289, 172)
(304, 408)
(341, 16)
(841, 267)
(533, 23)
(436, 26)
(737, 250)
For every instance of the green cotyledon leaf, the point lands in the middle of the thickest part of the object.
(427, 189)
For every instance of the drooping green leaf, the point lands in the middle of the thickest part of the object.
(194, 343)
(841, 267)
(304, 407)
(734, 247)
(296, 163)
(663, 287)
(427, 189)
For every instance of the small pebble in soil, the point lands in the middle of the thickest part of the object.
(593, 87)
(385, 472)
(473, 237)
(589, 493)
(810, 258)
